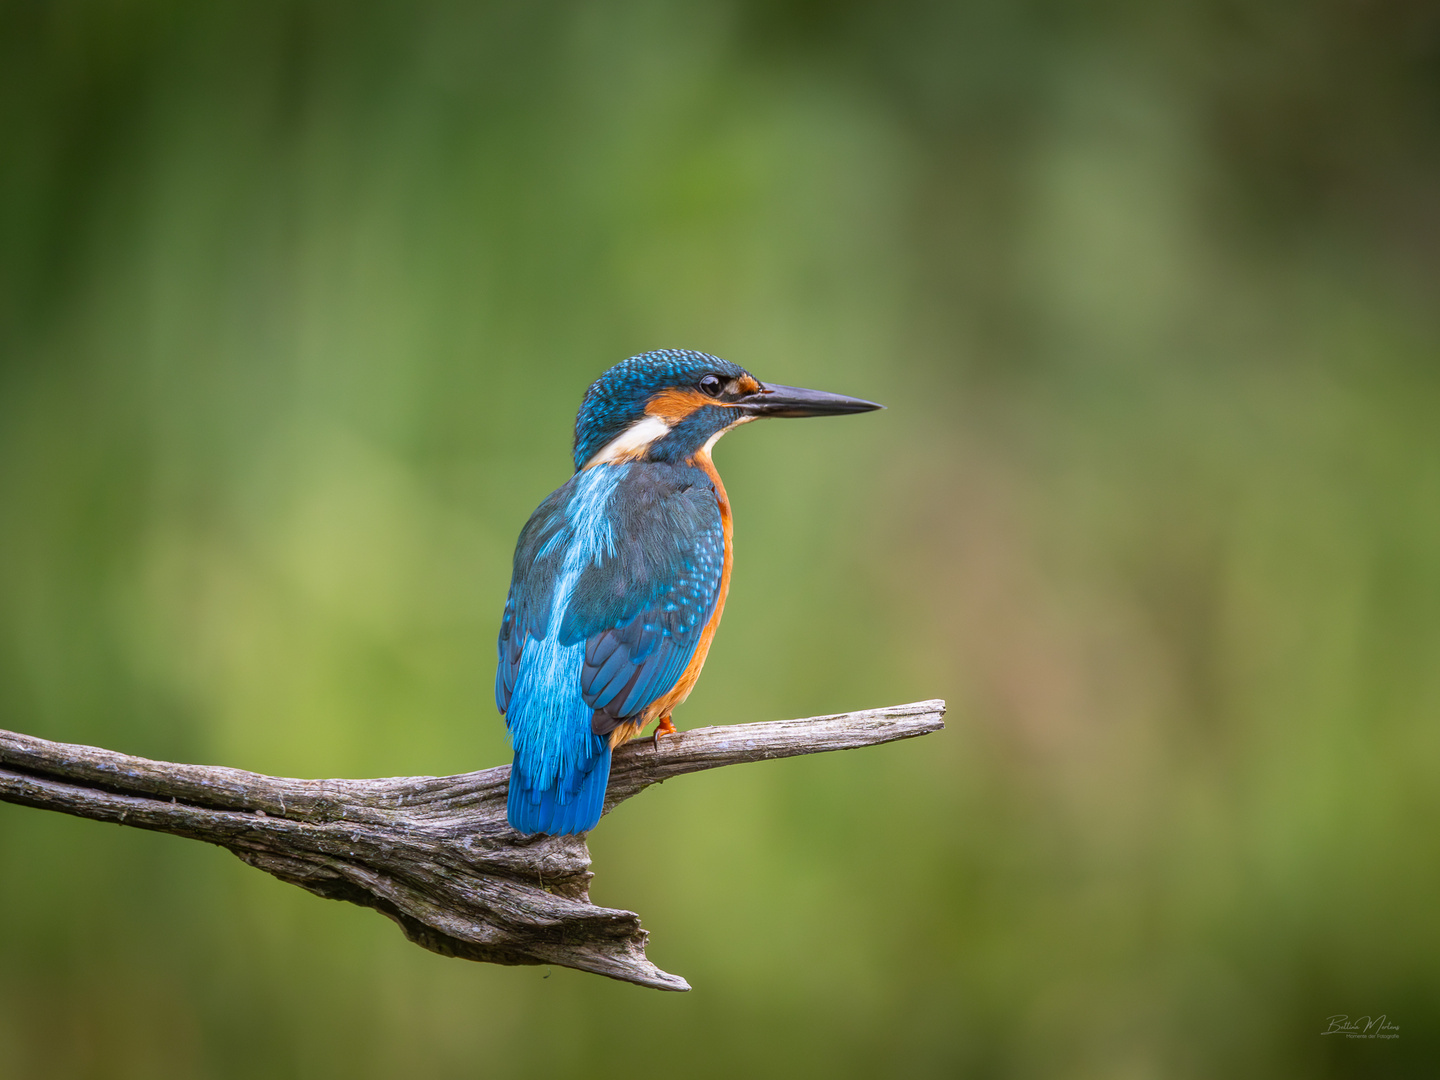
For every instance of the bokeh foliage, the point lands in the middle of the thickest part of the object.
(296, 303)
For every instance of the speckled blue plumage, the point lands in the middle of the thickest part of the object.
(615, 577)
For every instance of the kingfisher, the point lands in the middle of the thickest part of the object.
(620, 575)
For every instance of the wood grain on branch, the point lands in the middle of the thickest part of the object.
(433, 853)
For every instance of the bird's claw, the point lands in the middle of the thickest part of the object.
(664, 727)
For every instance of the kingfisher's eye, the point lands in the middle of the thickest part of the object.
(712, 385)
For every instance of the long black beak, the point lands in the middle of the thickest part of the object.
(773, 399)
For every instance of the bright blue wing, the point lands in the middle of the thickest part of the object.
(641, 601)
(641, 612)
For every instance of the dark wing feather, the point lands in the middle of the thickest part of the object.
(642, 611)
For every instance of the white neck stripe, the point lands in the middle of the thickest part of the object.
(631, 442)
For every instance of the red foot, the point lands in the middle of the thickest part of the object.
(664, 727)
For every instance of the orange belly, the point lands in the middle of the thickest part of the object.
(662, 705)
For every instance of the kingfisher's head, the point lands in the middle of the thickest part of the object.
(670, 404)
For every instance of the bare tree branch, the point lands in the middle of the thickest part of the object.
(433, 853)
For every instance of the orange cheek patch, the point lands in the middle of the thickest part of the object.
(746, 385)
(676, 405)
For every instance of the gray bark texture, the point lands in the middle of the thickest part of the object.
(433, 853)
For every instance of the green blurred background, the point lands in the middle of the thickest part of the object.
(297, 301)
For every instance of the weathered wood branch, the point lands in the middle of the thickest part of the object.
(433, 853)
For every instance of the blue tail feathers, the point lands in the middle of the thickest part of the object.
(556, 812)
(557, 784)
